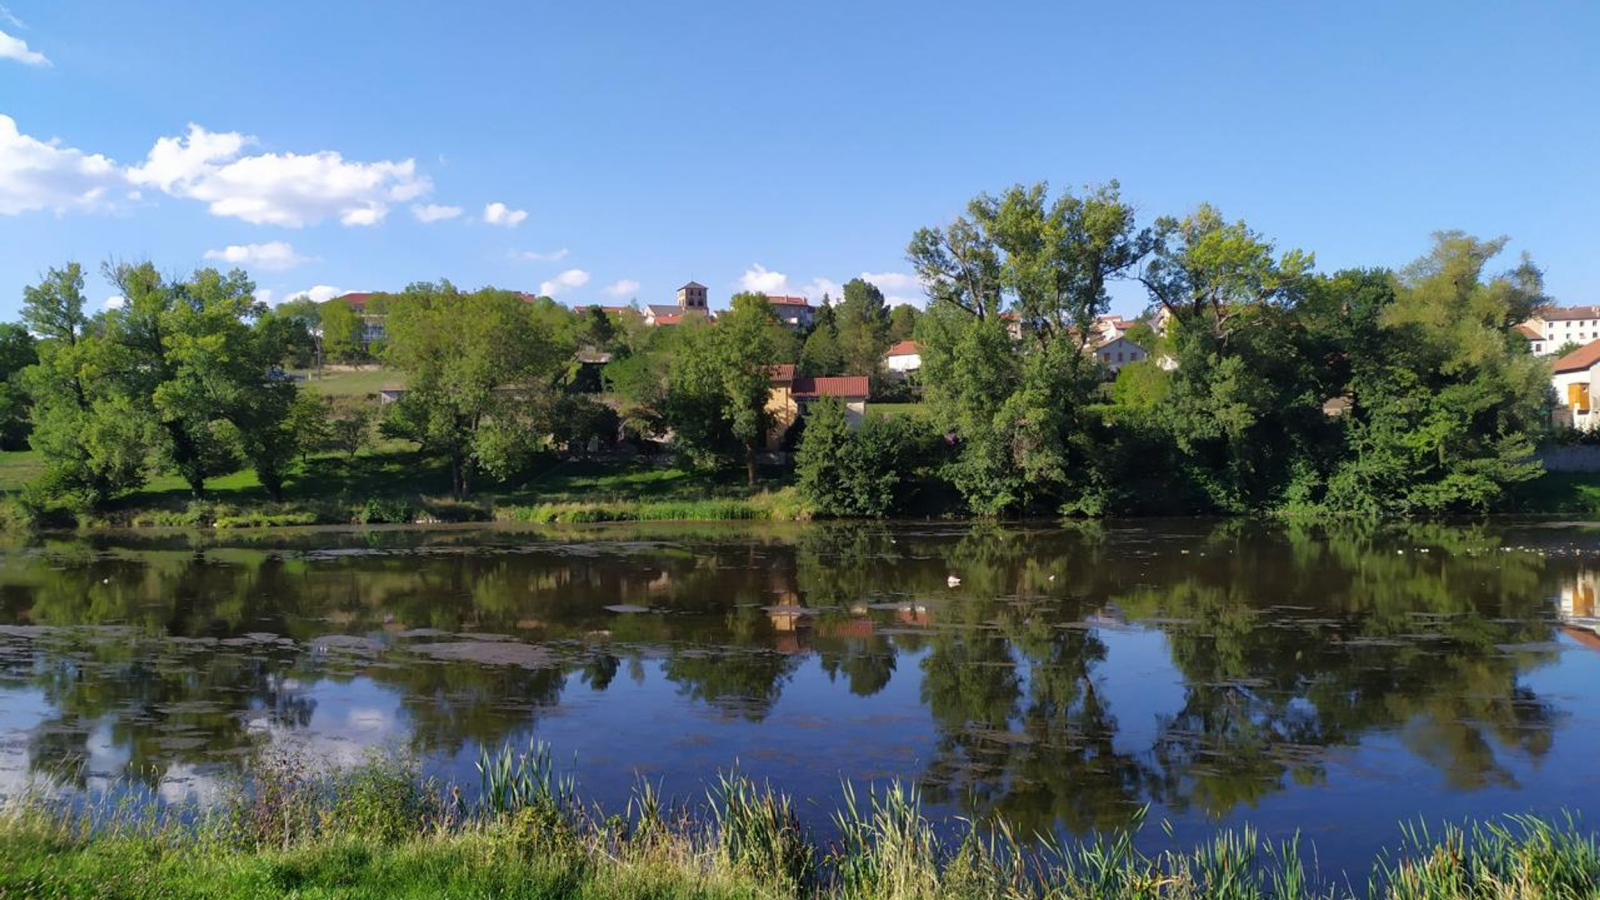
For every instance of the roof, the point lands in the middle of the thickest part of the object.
(777, 300)
(1567, 313)
(358, 298)
(782, 372)
(904, 348)
(693, 284)
(844, 386)
(1119, 339)
(1580, 359)
(663, 309)
(1529, 333)
(670, 319)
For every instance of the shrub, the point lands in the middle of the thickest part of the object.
(868, 471)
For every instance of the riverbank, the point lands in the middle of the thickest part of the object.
(380, 831)
(394, 485)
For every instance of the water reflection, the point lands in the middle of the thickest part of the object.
(1072, 677)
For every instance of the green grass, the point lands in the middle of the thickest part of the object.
(916, 410)
(357, 383)
(380, 831)
(18, 467)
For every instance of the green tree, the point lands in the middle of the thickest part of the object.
(863, 472)
(480, 369)
(720, 383)
(903, 322)
(17, 353)
(1014, 384)
(863, 326)
(93, 439)
(1447, 401)
(341, 331)
(822, 354)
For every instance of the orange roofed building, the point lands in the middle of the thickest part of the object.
(790, 394)
(1573, 378)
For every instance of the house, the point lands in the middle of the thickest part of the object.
(1118, 352)
(1573, 378)
(373, 330)
(692, 301)
(1536, 341)
(795, 312)
(1108, 328)
(904, 357)
(789, 395)
(1555, 327)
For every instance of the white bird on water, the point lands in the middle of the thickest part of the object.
(953, 581)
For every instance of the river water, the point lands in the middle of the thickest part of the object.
(1329, 681)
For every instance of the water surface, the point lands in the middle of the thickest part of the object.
(1333, 682)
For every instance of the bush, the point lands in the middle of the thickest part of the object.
(865, 472)
(383, 511)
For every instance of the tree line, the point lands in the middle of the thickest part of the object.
(1269, 385)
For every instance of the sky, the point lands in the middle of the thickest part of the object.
(609, 152)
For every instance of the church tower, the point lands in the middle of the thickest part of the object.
(692, 297)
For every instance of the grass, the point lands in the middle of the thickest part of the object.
(381, 831)
(916, 410)
(351, 383)
(1560, 492)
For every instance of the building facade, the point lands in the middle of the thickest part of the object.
(1555, 327)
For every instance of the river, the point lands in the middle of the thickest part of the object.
(1330, 681)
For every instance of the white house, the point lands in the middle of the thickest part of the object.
(1115, 354)
(795, 312)
(1556, 326)
(1574, 381)
(904, 357)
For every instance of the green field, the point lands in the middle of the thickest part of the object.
(353, 383)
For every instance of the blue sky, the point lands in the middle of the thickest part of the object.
(635, 146)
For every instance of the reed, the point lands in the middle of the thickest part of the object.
(383, 830)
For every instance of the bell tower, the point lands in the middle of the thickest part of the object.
(692, 297)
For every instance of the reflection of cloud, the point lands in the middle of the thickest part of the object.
(184, 782)
(368, 719)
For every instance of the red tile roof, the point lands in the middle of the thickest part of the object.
(673, 319)
(904, 348)
(1580, 359)
(846, 386)
(782, 372)
(776, 300)
(1529, 333)
(1567, 313)
(358, 299)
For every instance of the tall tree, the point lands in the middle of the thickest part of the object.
(18, 351)
(341, 331)
(93, 438)
(1015, 285)
(903, 322)
(822, 354)
(721, 382)
(480, 369)
(863, 326)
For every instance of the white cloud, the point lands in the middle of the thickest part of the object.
(320, 293)
(627, 287)
(115, 301)
(571, 278)
(433, 212)
(818, 287)
(288, 189)
(37, 174)
(760, 278)
(498, 213)
(536, 256)
(265, 295)
(16, 48)
(274, 256)
(893, 281)
(7, 17)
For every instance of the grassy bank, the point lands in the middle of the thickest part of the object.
(379, 831)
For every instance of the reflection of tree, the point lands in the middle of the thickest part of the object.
(1288, 643)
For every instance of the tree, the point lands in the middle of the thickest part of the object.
(480, 370)
(1446, 402)
(1017, 403)
(822, 354)
(903, 322)
(93, 440)
(863, 324)
(17, 352)
(867, 471)
(720, 383)
(341, 331)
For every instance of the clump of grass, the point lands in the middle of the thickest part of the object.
(382, 830)
(784, 505)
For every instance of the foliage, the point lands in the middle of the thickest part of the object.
(719, 384)
(17, 352)
(903, 322)
(341, 331)
(480, 371)
(863, 472)
(822, 355)
(863, 327)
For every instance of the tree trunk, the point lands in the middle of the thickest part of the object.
(750, 466)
